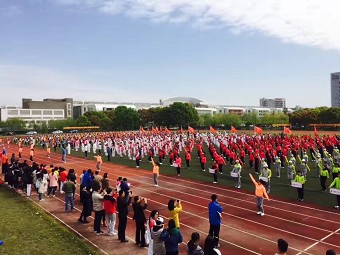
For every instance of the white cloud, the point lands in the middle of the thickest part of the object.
(306, 22)
(40, 82)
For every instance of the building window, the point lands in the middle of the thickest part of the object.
(35, 112)
(12, 112)
(47, 112)
(24, 112)
(58, 112)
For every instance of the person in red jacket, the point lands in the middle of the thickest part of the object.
(178, 162)
(110, 208)
(220, 161)
(187, 158)
(203, 160)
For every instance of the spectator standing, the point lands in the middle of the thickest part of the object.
(174, 210)
(110, 202)
(97, 199)
(215, 216)
(69, 187)
(193, 247)
(209, 246)
(123, 203)
(158, 244)
(85, 199)
(139, 205)
(172, 237)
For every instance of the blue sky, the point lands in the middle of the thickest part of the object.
(222, 52)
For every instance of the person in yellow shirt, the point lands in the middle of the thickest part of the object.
(336, 184)
(301, 179)
(99, 161)
(260, 193)
(174, 210)
(155, 172)
(324, 175)
(267, 173)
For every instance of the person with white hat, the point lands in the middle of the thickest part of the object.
(237, 170)
(265, 175)
(158, 244)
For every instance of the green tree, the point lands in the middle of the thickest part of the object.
(125, 118)
(15, 124)
(182, 114)
(83, 121)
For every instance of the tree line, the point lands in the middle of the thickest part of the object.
(180, 115)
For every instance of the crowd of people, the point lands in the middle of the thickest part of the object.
(109, 201)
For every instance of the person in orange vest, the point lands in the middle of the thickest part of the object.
(48, 150)
(155, 172)
(260, 193)
(99, 161)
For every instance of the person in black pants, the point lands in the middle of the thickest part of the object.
(138, 206)
(123, 203)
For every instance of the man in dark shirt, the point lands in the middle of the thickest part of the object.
(123, 202)
(138, 206)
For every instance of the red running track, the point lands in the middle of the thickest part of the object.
(308, 229)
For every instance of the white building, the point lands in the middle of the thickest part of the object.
(206, 110)
(273, 103)
(335, 89)
(31, 116)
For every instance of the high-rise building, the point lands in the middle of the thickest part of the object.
(273, 103)
(335, 89)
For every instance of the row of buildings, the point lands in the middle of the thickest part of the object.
(38, 112)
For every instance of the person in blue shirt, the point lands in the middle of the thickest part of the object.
(63, 154)
(215, 217)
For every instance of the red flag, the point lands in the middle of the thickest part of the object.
(154, 130)
(257, 130)
(233, 130)
(167, 130)
(191, 130)
(287, 131)
(182, 130)
(212, 130)
(160, 129)
(315, 131)
(142, 130)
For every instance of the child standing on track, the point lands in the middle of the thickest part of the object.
(260, 193)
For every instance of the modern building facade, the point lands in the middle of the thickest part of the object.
(31, 116)
(335, 89)
(272, 103)
(66, 104)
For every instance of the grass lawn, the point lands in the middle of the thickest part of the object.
(26, 229)
(279, 186)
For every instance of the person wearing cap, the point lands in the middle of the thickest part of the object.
(304, 167)
(266, 173)
(282, 247)
(260, 193)
(336, 184)
(290, 171)
(301, 179)
(156, 231)
(237, 170)
(215, 218)
(278, 166)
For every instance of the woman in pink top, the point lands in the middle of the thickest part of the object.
(52, 187)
